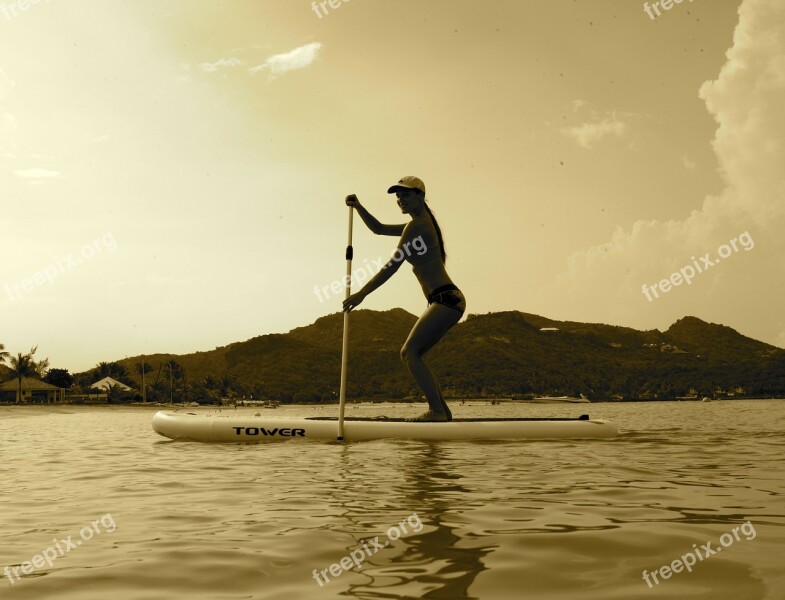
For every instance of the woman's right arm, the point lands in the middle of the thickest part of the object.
(371, 221)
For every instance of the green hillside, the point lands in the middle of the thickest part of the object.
(501, 354)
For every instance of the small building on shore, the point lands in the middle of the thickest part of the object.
(108, 383)
(33, 390)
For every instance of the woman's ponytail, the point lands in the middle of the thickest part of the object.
(438, 233)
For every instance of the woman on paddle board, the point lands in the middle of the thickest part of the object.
(421, 245)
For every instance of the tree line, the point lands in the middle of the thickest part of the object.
(168, 383)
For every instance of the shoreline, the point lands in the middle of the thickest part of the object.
(29, 407)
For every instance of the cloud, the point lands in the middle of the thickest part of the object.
(224, 63)
(36, 173)
(588, 134)
(745, 291)
(289, 61)
(746, 101)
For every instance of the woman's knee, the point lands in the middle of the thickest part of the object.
(408, 353)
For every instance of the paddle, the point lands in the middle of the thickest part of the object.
(345, 348)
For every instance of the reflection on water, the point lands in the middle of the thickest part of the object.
(551, 520)
(437, 563)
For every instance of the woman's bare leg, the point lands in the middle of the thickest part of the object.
(429, 329)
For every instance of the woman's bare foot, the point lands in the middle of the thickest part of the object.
(431, 416)
(447, 410)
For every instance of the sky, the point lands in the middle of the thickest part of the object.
(173, 174)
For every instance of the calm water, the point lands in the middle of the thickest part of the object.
(539, 520)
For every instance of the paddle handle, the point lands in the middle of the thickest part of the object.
(345, 347)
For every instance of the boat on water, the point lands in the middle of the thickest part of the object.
(223, 427)
(561, 400)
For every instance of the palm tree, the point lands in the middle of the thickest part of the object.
(3, 354)
(41, 367)
(102, 369)
(143, 368)
(110, 369)
(23, 365)
(113, 392)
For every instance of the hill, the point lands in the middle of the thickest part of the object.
(491, 354)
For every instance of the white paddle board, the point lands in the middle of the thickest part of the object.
(250, 428)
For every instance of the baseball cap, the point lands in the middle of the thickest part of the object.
(409, 182)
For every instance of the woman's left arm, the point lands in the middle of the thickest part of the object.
(411, 232)
(376, 281)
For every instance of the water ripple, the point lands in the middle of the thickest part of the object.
(544, 520)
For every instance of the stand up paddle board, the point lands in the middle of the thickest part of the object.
(250, 428)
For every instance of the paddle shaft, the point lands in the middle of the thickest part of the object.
(345, 347)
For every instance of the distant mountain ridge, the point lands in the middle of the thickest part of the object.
(501, 353)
